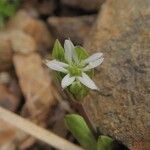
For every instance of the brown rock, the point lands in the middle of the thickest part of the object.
(75, 28)
(5, 78)
(84, 4)
(37, 89)
(43, 7)
(33, 27)
(121, 109)
(22, 42)
(5, 52)
(7, 134)
(7, 98)
(38, 30)
(35, 85)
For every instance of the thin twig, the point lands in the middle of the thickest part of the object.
(36, 131)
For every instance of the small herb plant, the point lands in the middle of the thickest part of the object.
(74, 67)
(7, 9)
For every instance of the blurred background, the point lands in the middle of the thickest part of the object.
(118, 28)
(28, 29)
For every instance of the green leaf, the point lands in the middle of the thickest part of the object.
(1, 21)
(7, 9)
(81, 53)
(78, 90)
(80, 131)
(58, 51)
(104, 143)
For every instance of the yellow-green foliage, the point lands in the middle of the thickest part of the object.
(7, 9)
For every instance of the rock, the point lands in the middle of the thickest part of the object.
(75, 28)
(43, 7)
(38, 30)
(84, 4)
(5, 78)
(5, 52)
(121, 108)
(37, 89)
(22, 42)
(33, 27)
(8, 99)
(7, 134)
(35, 85)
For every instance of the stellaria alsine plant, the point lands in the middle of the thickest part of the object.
(75, 66)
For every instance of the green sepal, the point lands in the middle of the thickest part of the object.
(90, 73)
(58, 51)
(81, 53)
(78, 127)
(104, 143)
(78, 90)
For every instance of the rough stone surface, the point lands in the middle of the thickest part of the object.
(33, 27)
(44, 7)
(121, 108)
(22, 42)
(75, 28)
(8, 99)
(89, 5)
(35, 85)
(37, 89)
(7, 134)
(5, 52)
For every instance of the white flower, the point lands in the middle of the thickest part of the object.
(75, 69)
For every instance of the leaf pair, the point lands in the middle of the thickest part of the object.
(83, 134)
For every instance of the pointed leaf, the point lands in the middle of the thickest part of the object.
(58, 51)
(80, 130)
(104, 143)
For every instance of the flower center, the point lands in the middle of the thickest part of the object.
(74, 70)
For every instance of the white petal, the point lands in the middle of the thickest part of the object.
(69, 49)
(93, 64)
(85, 79)
(67, 80)
(93, 57)
(56, 65)
(62, 64)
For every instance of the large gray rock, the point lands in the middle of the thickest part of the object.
(121, 108)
